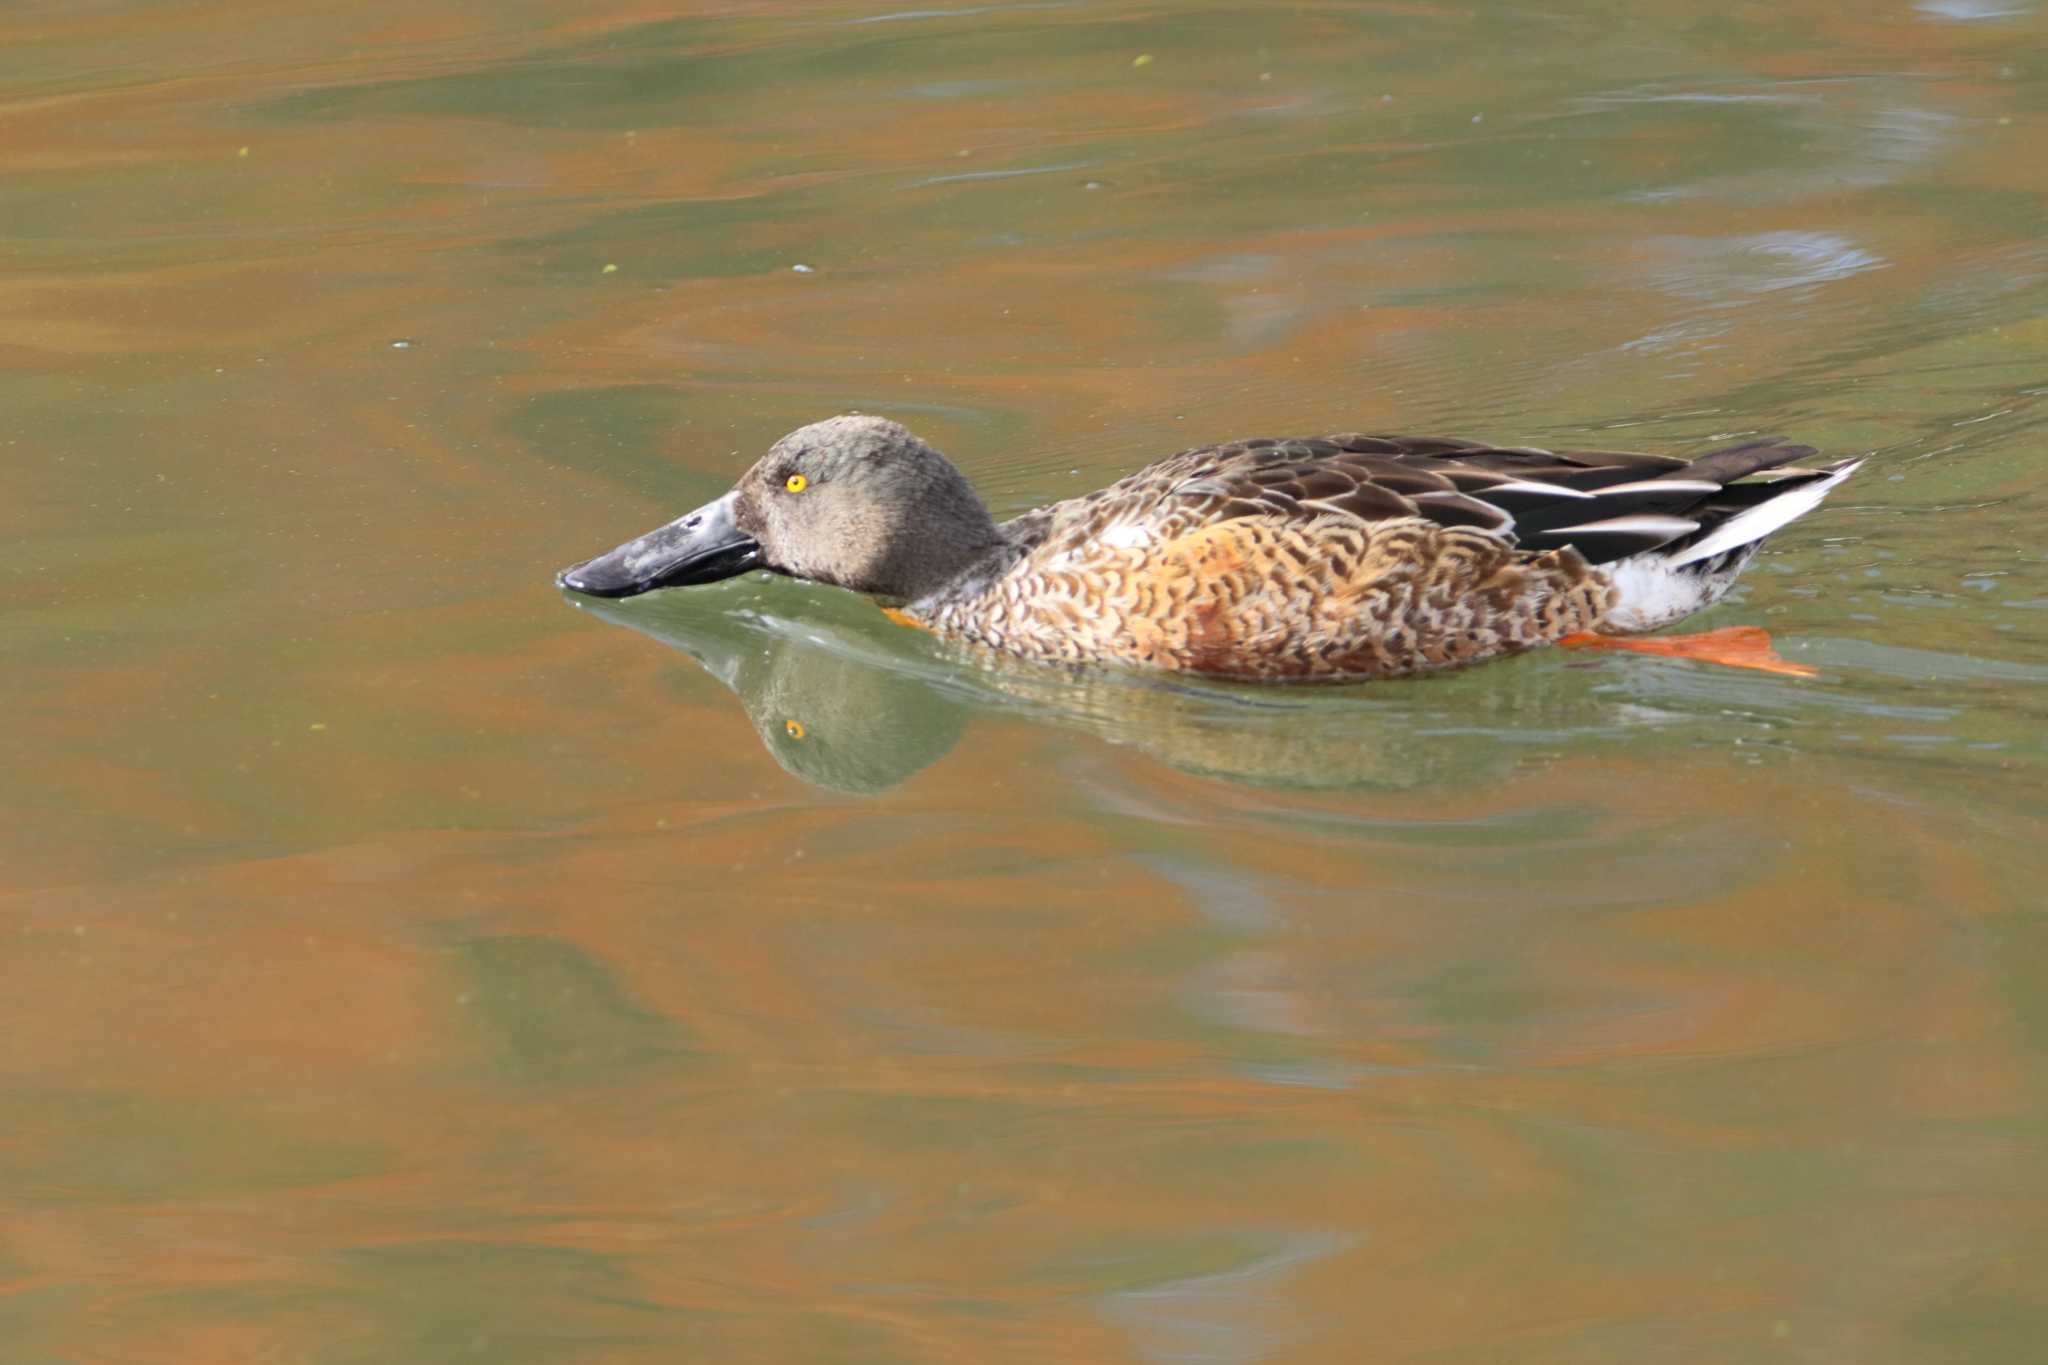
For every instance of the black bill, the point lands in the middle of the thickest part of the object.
(703, 547)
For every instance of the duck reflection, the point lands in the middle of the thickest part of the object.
(847, 701)
(840, 707)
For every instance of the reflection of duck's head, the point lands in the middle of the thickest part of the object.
(854, 501)
(842, 724)
(824, 697)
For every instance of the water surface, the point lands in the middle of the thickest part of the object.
(410, 964)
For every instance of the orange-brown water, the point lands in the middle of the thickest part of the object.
(407, 964)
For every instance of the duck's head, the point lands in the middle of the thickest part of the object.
(855, 501)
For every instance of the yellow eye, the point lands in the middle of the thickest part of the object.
(796, 483)
(794, 728)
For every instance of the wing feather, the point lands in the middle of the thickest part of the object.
(1606, 503)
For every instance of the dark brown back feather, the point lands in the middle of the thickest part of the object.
(1605, 503)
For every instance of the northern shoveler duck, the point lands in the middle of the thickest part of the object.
(1348, 556)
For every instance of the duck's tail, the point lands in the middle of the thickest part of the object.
(1692, 573)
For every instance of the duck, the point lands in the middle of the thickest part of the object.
(1344, 557)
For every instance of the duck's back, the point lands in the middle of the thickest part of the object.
(1352, 555)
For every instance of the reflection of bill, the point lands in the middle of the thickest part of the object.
(847, 701)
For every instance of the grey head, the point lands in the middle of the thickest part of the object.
(855, 501)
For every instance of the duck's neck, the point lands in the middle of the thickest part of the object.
(981, 571)
(984, 571)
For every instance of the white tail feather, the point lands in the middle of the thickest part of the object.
(1749, 527)
(1654, 588)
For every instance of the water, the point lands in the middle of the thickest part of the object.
(410, 964)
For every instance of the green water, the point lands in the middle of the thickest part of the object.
(410, 963)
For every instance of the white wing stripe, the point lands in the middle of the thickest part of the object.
(1668, 527)
(1659, 486)
(1552, 490)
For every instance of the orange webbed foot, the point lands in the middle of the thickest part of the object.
(1733, 646)
(904, 619)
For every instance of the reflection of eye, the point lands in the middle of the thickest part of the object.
(796, 483)
(794, 728)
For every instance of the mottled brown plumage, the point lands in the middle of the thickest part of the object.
(1342, 556)
(1261, 596)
